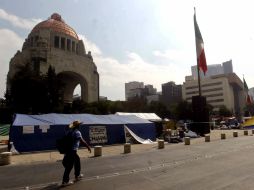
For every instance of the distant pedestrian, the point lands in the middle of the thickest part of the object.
(71, 158)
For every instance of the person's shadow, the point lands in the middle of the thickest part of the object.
(54, 186)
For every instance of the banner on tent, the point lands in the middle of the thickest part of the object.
(98, 134)
(28, 129)
(44, 128)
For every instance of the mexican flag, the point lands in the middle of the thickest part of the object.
(200, 47)
(246, 89)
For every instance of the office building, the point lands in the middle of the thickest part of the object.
(171, 93)
(215, 69)
(219, 90)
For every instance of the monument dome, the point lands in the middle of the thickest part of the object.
(56, 24)
(54, 43)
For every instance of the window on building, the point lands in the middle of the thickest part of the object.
(212, 84)
(68, 44)
(77, 48)
(63, 43)
(32, 41)
(36, 39)
(215, 101)
(73, 46)
(56, 42)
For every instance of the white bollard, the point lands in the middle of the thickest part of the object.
(207, 138)
(246, 132)
(160, 144)
(223, 136)
(97, 151)
(187, 140)
(127, 148)
(235, 134)
(5, 158)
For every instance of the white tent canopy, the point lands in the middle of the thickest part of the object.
(147, 116)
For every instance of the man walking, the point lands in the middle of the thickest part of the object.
(71, 158)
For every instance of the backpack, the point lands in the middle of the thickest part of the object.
(65, 143)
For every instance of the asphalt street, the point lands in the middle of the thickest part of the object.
(220, 164)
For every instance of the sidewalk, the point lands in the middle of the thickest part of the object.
(53, 156)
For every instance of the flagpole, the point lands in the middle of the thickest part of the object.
(199, 85)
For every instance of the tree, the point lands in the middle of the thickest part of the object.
(27, 92)
(183, 111)
(31, 93)
(54, 89)
(160, 109)
(224, 111)
(136, 104)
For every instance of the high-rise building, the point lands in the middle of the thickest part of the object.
(138, 89)
(150, 90)
(251, 93)
(215, 69)
(171, 93)
(219, 90)
(133, 89)
(227, 67)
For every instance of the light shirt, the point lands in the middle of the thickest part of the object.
(76, 134)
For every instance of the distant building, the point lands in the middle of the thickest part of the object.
(76, 97)
(103, 98)
(150, 90)
(227, 67)
(153, 98)
(138, 89)
(215, 69)
(219, 90)
(171, 93)
(251, 93)
(133, 89)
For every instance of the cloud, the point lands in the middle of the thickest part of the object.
(90, 46)
(114, 74)
(176, 56)
(10, 42)
(17, 21)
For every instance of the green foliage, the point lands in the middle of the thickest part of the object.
(137, 105)
(32, 93)
(182, 111)
(224, 111)
(249, 110)
(160, 109)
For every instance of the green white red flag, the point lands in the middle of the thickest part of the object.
(200, 47)
(246, 89)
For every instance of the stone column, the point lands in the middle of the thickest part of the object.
(207, 138)
(127, 148)
(160, 144)
(97, 151)
(187, 140)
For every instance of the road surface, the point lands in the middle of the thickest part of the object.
(221, 165)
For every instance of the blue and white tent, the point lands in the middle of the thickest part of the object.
(39, 132)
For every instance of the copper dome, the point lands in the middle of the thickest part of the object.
(57, 24)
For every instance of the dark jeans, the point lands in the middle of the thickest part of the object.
(71, 158)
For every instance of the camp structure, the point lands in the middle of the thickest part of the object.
(40, 132)
(150, 117)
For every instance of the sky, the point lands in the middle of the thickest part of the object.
(150, 41)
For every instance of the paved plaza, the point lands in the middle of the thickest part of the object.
(219, 164)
